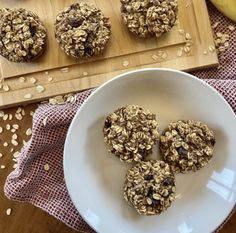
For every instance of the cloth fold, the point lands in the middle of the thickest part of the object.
(45, 188)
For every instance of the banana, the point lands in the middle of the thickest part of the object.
(227, 7)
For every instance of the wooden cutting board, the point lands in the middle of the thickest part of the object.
(124, 52)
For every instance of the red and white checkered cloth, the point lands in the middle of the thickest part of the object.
(46, 189)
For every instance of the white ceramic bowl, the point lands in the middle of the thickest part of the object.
(95, 179)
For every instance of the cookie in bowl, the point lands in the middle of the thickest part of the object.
(130, 133)
(150, 187)
(187, 145)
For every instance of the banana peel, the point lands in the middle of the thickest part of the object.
(227, 7)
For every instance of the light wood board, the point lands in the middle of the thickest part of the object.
(123, 46)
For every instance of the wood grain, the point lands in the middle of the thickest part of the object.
(123, 47)
(26, 218)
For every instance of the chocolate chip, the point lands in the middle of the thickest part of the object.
(213, 141)
(88, 49)
(107, 124)
(182, 152)
(168, 181)
(75, 22)
(148, 177)
(155, 203)
(32, 30)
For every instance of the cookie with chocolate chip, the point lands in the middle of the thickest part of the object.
(149, 17)
(187, 145)
(130, 133)
(150, 187)
(82, 30)
(22, 35)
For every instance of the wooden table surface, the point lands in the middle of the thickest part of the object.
(25, 218)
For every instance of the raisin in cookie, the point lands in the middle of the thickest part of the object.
(187, 145)
(130, 133)
(149, 17)
(22, 35)
(150, 187)
(82, 31)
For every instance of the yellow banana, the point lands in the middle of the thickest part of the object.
(227, 7)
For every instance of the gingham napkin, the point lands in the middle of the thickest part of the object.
(46, 189)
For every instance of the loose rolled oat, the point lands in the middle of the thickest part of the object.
(130, 133)
(150, 187)
(149, 17)
(187, 145)
(22, 35)
(82, 30)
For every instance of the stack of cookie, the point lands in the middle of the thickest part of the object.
(131, 132)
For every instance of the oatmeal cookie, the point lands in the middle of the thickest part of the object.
(150, 187)
(187, 145)
(130, 133)
(149, 17)
(82, 31)
(22, 35)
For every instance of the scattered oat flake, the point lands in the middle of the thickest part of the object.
(10, 117)
(205, 52)
(85, 73)
(12, 149)
(16, 154)
(18, 110)
(21, 79)
(125, 63)
(15, 160)
(181, 31)
(40, 88)
(1, 113)
(31, 113)
(65, 69)
(18, 116)
(186, 49)
(211, 48)
(8, 211)
(215, 25)
(14, 142)
(28, 132)
(46, 167)
(50, 79)
(2, 166)
(23, 112)
(179, 53)
(1, 155)
(5, 117)
(8, 127)
(1, 129)
(46, 72)
(154, 57)
(15, 166)
(33, 80)
(15, 126)
(231, 27)
(5, 87)
(5, 144)
(14, 136)
(188, 36)
(24, 142)
(28, 96)
(219, 34)
(45, 121)
(164, 55)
